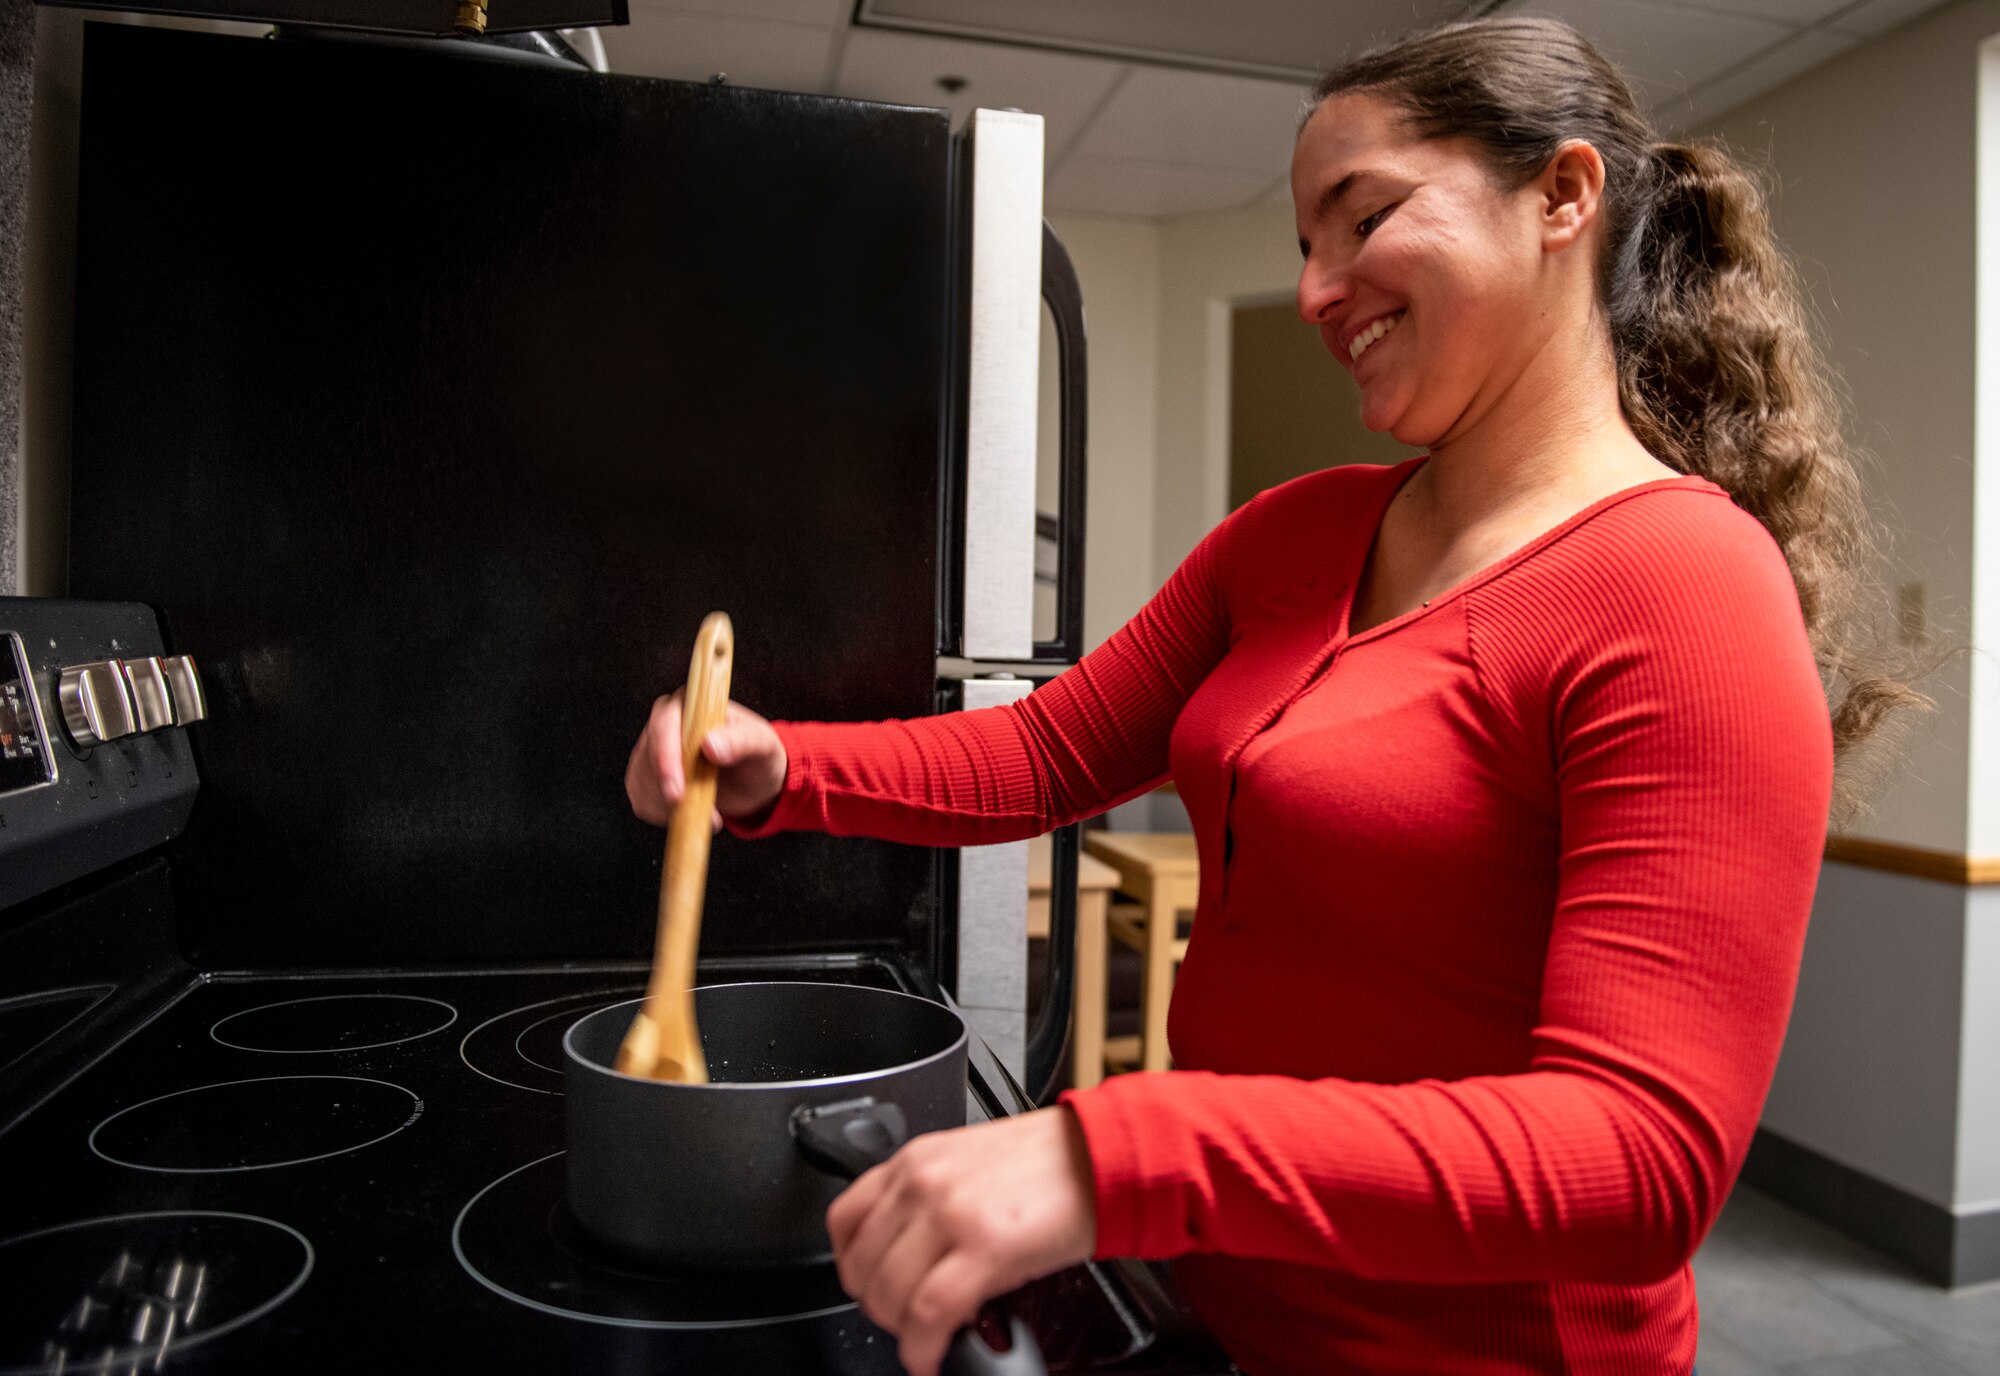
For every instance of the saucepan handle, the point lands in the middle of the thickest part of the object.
(849, 1137)
(970, 1356)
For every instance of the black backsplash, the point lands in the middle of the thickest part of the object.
(432, 402)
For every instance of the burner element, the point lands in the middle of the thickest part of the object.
(517, 1238)
(254, 1125)
(523, 1047)
(334, 1022)
(129, 1291)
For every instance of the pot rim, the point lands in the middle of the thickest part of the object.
(959, 1043)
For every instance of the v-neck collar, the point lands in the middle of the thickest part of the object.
(1394, 484)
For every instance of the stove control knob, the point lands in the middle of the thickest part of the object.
(148, 682)
(95, 703)
(184, 687)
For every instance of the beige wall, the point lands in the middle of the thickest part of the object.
(1292, 409)
(1894, 1044)
(1117, 264)
(1890, 273)
(1208, 265)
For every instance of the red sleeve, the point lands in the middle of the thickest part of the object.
(1693, 767)
(1083, 742)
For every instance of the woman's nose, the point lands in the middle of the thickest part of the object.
(1320, 291)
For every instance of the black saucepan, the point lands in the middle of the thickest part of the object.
(809, 1085)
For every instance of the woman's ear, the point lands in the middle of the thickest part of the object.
(1569, 193)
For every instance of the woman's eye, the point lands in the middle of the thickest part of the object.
(1367, 226)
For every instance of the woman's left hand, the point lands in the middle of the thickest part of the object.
(957, 1217)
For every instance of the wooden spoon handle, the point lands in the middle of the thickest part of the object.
(684, 871)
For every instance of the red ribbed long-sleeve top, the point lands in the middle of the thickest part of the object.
(1502, 904)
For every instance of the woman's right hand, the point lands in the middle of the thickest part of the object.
(749, 763)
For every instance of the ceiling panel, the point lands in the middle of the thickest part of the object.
(1198, 120)
(1280, 37)
(1163, 115)
(1810, 48)
(1667, 50)
(1794, 13)
(825, 13)
(1118, 186)
(693, 47)
(904, 68)
(1879, 16)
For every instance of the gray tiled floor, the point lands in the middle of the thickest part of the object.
(1782, 1295)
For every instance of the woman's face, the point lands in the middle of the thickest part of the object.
(1415, 233)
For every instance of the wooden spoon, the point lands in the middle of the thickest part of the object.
(663, 1042)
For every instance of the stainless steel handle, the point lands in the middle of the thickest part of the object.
(150, 704)
(96, 704)
(184, 687)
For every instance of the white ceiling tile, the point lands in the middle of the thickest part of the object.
(1119, 186)
(1163, 115)
(1772, 69)
(693, 47)
(1667, 50)
(1879, 16)
(827, 14)
(904, 69)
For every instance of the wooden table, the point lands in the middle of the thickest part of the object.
(1094, 883)
(1161, 871)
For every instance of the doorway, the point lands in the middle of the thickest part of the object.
(1292, 409)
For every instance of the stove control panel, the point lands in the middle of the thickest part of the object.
(24, 748)
(93, 766)
(120, 697)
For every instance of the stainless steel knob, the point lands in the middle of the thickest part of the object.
(150, 703)
(184, 687)
(96, 704)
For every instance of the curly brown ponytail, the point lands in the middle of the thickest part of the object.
(1718, 374)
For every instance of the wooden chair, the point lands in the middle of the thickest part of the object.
(1094, 883)
(1160, 870)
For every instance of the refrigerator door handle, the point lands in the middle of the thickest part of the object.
(1064, 297)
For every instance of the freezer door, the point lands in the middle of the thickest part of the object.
(1003, 343)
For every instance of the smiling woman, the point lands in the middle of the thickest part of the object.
(1509, 768)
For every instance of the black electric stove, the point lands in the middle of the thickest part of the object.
(258, 1171)
(365, 1173)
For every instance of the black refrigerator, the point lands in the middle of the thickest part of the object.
(427, 396)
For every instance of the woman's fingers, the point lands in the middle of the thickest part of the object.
(664, 731)
(747, 752)
(852, 1212)
(750, 761)
(945, 1300)
(899, 1270)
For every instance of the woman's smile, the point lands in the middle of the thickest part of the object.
(1365, 338)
